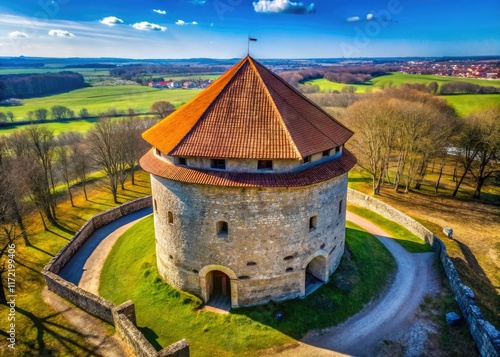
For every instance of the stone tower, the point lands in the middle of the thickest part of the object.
(249, 184)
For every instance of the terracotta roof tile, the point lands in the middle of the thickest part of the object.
(249, 112)
(306, 177)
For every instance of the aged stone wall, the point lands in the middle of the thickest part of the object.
(122, 317)
(485, 335)
(269, 241)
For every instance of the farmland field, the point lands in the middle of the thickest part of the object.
(466, 104)
(397, 79)
(100, 99)
(80, 126)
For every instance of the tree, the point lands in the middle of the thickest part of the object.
(162, 108)
(104, 148)
(84, 113)
(3, 117)
(63, 161)
(433, 87)
(60, 112)
(10, 115)
(487, 162)
(372, 122)
(30, 115)
(41, 114)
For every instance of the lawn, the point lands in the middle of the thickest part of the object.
(40, 331)
(245, 330)
(408, 240)
(466, 104)
(101, 98)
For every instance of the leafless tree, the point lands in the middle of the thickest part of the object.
(104, 149)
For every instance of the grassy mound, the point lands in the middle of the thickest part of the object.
(166, 315)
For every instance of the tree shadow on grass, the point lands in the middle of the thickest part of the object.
(44, 326)
(41, 250)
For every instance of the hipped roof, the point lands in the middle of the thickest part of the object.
(249, 112)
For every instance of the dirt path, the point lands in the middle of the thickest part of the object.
(360, 334)
(90, 327)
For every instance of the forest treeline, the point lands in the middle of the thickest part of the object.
(141, 74)
(340, 74)
(30, 85)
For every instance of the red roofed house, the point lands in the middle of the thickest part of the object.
(249, 183)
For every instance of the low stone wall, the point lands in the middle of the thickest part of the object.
(485, 335)
(123, 316)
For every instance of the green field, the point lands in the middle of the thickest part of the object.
(463, 103)
(80, 126)
(100, 99)
(397, 79)
(83, 71)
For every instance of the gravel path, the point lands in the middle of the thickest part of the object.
(360, 334)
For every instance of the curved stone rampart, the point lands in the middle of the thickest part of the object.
(123, 316)
(485, 335)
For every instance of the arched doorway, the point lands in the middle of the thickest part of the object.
(315, 274)
(217, 281)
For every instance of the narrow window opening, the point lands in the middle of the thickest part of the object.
(170, 217)
(195, 271)
(289, 270)
(290, 257)
(337, 149)
(244, 277)
(306, 159)
(218, 164)
(183, 161)
(326, 153)
(340, 206)
(251, 264)
(333, 249)
(312, 222)
(222, 229)
(157, 151)
(265, 165)
(156, 206)
(322, 246)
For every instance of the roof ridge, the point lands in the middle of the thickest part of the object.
(237, 69)
(305, 97)
(273, 104)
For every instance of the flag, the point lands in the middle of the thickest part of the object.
(252, 39)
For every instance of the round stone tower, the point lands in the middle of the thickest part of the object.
(249, 184)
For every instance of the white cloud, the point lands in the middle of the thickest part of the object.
(369, 17)
(352, 19)
(17, 34)
(198, 2)
(283, 6)
(161, 12)
(111, 21)
(61, 33)
(147, 26)
(184, 23)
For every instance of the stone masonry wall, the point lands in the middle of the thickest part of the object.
(485, 335)
(269, 235)
(122, 317)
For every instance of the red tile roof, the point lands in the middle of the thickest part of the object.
(249, 112)
(309, 176)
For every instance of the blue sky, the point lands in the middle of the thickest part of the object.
(219, 28)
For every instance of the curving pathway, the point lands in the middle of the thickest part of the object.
(358, 335)
(361, 333)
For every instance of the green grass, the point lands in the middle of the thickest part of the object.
(39, 330)
(101, 98)
(245, 330)
(83, 71)
(80, 126)
(464, 104)
(408, 240)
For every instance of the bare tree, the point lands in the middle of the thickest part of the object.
(162, 108)
(10, 115)
(104, 148)
(41, 114)
(487, 162)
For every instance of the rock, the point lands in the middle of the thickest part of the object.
(452, 318)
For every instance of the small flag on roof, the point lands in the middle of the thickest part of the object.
(252, 39)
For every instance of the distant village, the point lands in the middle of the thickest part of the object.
(461, 69)
(171, 84)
